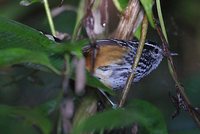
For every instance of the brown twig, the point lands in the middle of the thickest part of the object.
(179, 87)
(136, 60)
(128, 23)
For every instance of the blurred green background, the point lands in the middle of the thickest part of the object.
(182, 19)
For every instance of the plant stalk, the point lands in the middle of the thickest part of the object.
(136, 61)
(180, 89)
(49, 17)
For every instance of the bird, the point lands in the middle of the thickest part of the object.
(113, 59)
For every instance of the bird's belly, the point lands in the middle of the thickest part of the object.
(113, 76)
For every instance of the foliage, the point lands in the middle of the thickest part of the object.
(23, 47)
(135, 112)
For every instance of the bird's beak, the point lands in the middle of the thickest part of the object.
(173, 54)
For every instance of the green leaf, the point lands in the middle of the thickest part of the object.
(28, 2)
(137, 33)
(120, 4)
(14, 34)
(31, 116)
(10, 125)
(148, 116)
(148, 5)
(94, 82)
(74, 47)
(13, 56)
(22, 44)
(141, 112)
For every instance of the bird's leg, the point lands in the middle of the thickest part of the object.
(114, 105)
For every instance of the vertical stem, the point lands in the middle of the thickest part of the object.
(136, 61)
(161, 19)
(79, 20)
(180, 89)
(49, 17)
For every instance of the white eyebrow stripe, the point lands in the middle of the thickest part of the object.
(154, 45)
(125, 43)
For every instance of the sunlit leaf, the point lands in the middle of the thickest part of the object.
(141, 112)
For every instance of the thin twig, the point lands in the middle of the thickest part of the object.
(136, 60)
(50, 20)
(179, 87)
(173, 73)
(161, 18)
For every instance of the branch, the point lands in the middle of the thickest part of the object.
(136, 61)
(50, 20)
(187, 106)
(185, 102)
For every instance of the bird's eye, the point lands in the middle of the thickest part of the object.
(156, 51)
